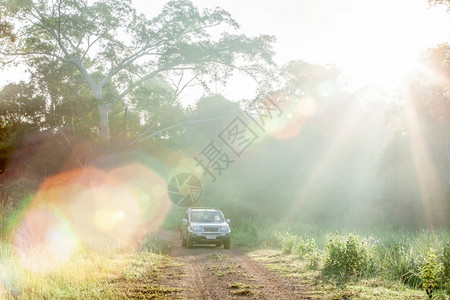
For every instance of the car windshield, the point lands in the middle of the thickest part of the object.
(206, 216)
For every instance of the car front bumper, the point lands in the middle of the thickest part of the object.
(209, 237)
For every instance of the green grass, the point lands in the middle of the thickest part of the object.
(320, 287)
(219, 256)
(241, 289)
(390, 270)
(385, 263)
(129, 273)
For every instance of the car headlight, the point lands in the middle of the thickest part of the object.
(224, 228)
(196, 228)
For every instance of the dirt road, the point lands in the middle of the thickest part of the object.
(207, 272)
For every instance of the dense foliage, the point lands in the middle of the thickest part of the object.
(327, 155)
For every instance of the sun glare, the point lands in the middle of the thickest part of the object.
(379, 42)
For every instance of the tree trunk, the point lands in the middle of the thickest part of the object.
(103, 110)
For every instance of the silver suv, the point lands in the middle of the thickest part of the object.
(205, 225)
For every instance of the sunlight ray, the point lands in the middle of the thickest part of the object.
(430, 186)
(331, 155)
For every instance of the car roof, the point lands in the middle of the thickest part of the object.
(204, 208)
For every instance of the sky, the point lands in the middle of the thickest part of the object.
(373, 42)
(363, 37)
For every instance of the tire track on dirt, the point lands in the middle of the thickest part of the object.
(214, 273)
(194, 278)
(272, 286)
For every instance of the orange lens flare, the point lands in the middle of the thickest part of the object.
(106, 216)
(103, 211)
(43, 240)
(291, 122)
(307, 106)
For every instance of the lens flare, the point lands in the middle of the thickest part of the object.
(293, 118)
(107, 219)
(293, 126)
(9, 273)
(43, 240)
(106, 216)
(88, 207)
(326, 89)
(307, 106)
(149, 193)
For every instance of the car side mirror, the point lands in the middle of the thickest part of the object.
(228, 220)
(185, 221)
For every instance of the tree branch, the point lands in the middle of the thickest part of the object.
(133, 85)
(171, 127)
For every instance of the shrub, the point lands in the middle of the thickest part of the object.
(446, 263)
(247, 234)
(305, 248)
(313, 260)
(430, 273)
(274, 240)
(346, 257)
(288, 243)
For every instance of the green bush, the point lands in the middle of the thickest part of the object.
(431, 272)
(288, 243)
(305, 248)
(346, 257)
(247, 234)
(446, 263)
(313, 260)
(446, 268)
(274, 240)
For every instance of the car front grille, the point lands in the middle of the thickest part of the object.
(210, 229)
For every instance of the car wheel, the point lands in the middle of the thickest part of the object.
(190, 243)
(227, 244)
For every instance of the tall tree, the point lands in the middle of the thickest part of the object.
(116, 49)
(22, 112)
(6, 30)
(440, 2)
(434, 2)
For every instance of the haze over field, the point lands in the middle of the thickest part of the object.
(296, 118)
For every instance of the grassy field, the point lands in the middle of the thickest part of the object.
(321, 287)
(345, 263)
(129, 273)
(330, 263)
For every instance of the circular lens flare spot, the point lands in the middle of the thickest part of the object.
(307, 106)
(43, 241)
(326, 89)
(106, 216)
(106, 220)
